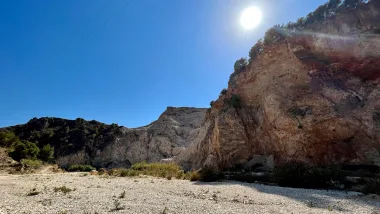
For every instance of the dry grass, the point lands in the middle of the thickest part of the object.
(195, 176)
(163, 170)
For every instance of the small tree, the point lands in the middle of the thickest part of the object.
(236, 101)
(273, 35)
(212, 103)
(240, 65)
(300, 21)
(46, 153)
(256, 50)
(8, 138)
(25, 150)
(224, 91)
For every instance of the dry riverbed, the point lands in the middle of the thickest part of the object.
(103, 194)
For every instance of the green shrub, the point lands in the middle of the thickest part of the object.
(256, 50)
(24, 150)
(240, 65)
(157, 169)
(8, 139)
(80, 168)
(35, 164)
(46, 153)
(273, 35)
(163, 170)
(234, 101)
(224, 91)
(129, 173)
(211, 103)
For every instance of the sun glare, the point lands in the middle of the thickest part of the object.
(250, 17)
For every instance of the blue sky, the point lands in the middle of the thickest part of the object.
(102, 60)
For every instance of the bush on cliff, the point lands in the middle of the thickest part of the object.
(240, 65)
(234, 101)
(8, 139)
(24, 150)
(224, 91)
(256, 50)
(273, 35)
(46, 153)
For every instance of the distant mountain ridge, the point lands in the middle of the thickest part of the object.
(94, 143)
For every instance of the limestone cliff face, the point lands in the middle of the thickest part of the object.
(162, 139)
(90, 142)
(313, 97)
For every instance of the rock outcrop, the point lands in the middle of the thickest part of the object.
(312, 96)
(111, 146)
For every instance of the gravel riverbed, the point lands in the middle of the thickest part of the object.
(39, 193)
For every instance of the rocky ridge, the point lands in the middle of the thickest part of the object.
(111, 146)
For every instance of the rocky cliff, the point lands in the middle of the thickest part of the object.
(90, 142)
(312, 95)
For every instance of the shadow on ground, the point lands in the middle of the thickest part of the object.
(324, 199)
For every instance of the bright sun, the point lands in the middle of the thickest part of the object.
(250, 17)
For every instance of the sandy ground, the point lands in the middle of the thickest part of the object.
(97, 194)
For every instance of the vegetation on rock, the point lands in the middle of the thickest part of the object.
(256, 50)
(47, 138)
(34, 164)
(24, 150)
(8, 139)
(234, 101)
(224, 91)
(80, 168)
(240, 65)
(46, 153)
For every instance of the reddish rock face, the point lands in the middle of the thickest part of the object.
(313, 97)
